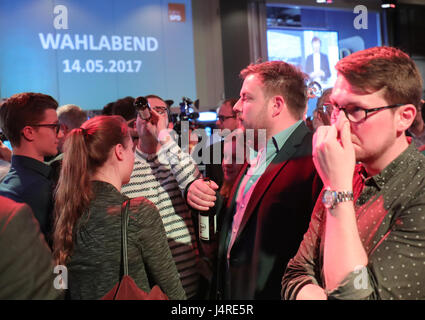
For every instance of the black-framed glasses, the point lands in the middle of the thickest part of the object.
(145, 115)
(358, 114)
(160, 109)
(55, 126)
(223, 118)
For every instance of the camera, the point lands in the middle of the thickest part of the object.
(187, 113)
(142, 106)
(3, 137)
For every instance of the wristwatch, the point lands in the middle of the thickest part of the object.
(331, 198)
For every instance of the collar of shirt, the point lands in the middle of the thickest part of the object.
(31, 164)
(260, 160)
(392, 170)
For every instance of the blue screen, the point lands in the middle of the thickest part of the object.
(90, 53)
(295, 46)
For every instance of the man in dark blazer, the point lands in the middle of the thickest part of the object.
(271, 202)
(317, 63)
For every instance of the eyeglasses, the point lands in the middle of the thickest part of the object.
(55, 126)
(158, 109)
(357, 114)
(223, 118)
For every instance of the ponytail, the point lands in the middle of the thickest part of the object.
(73, 193)
(85, 149)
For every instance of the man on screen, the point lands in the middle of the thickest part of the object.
(317, 63)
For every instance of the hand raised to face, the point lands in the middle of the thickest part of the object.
(333, 154)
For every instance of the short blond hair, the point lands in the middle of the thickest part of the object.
(71, 115)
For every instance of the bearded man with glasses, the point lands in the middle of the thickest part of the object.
(367, 235)
(30, 123)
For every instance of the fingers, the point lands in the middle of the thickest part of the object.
(340, 120)
(204, 189)
(213, 185)
(201, 195)
(344, 131)
(197, 206)
(346, 134)
(320, 136)
(154, 116)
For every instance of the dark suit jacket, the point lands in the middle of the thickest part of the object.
(26, 264)
(276, 217)
(324, 65)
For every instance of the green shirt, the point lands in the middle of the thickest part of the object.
(390, 212)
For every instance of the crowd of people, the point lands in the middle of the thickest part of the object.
(332, 209)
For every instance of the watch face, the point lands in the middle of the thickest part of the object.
(328, 199)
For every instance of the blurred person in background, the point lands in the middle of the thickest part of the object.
(125, 108)
(323, 112)
(227, 122)
(70, 117)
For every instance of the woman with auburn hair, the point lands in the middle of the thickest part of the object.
(98, 160)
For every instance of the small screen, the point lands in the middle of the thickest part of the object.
(314, 52)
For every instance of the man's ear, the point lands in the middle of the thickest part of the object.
(28, 133)
(406, 115)
(278, 105)
(119, 151)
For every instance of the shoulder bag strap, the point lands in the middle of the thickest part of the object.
(124, 225)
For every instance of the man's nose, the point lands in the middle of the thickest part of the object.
(237, 106)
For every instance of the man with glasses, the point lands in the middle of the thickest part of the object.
(161, 172)
(30, 123)
(367, 235)
(227, 122)
(323, 112)
(227, 117)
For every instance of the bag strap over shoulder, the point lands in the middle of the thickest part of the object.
(124, 226)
